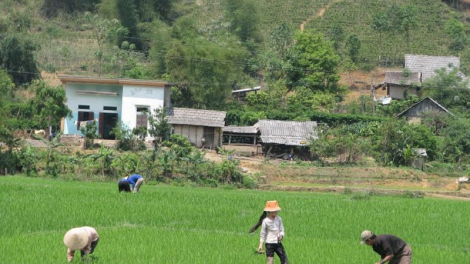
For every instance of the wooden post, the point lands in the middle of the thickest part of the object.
(372, 94)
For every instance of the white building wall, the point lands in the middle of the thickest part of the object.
(96, 102)
(139, 96)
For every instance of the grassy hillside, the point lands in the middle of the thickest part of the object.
(65, 47)
(355, 16)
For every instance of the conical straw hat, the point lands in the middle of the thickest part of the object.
(76, 238)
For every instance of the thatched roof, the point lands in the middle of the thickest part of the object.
(241, 129)
(397, 78)
(428, 65)
(196, 117)
(291, 133)
(436, 105)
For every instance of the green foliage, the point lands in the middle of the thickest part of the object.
(89, 131)
(395, 139)
(455, 144)
(456, 31)
(52, 8)
(448, 87)
(353, 45)
(48, 106)
(314, 63)
(104, 160)
(18, 59)
(128, 16)
(159, 126)
(244, 20)
(127, 139)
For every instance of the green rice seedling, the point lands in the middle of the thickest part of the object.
(168, 224)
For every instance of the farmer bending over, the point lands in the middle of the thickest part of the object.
(83, 238)
(391, 249)
(132, 182)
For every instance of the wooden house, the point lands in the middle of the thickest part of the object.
(203, 128)
(286, 133)
(414, 113)
(399, 84)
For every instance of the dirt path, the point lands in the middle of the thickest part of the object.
(449, 197)
(320, 13)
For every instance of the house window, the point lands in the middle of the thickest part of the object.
(141, 117)
(110, 108)
(83, 107)
(84, 116)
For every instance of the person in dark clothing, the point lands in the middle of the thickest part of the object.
(391, 249)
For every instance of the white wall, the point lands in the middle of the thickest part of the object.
(96, 102)
(137, 96)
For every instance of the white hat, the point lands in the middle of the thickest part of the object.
(366, 235)
(76, 238)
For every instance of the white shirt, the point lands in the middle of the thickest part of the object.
(271, 230)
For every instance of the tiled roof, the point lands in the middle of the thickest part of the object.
(398, 78)
(427, 65)
(290, 133)
(241, 129)
(196, 117)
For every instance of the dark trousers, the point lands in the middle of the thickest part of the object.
(277, 248)
(93, 245)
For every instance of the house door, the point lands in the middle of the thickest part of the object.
(107, 122)
(209, 137)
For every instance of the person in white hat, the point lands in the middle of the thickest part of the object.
(272, 233)
(391, 249)
(83, 238)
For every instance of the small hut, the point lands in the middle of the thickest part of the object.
(203, 128)
(284, 136)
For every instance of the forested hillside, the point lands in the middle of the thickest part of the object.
(296, 50)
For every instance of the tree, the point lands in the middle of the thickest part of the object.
(380, 23)
(404, 19)
(337, 36)
(159, 126)
(353, 45)
(104, 30)
(456, 31)
(244, 20)
(17, 58)
(314, 63)
(455, 146)
(128, 15)
(48, 106)
(448, 87)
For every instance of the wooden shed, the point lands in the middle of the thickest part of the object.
(242, 139)
(413, 113)
(286, 133)
(398, 84)
(203, 128)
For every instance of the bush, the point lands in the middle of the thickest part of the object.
(249, 183)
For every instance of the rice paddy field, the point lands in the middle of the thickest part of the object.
(168, 224)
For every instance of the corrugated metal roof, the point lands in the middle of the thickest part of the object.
(241, 129)
(196, 117)
(397, 77)
(427, 65)
(290, 133)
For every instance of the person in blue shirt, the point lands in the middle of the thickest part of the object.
(132, 182)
